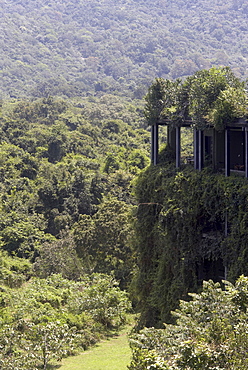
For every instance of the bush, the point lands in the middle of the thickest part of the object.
(211, 332)
(54, 317)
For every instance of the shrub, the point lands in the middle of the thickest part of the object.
(55, 317)
(211, 332)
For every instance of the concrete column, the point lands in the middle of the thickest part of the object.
(196, 149)
(152, 144)
(155, 158)
(227, 152)
(200, 142)
(246, 152)
(178, 147)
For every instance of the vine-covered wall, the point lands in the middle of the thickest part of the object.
(190, 226)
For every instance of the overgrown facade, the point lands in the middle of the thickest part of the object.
(191, 221)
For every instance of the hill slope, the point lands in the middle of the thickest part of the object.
(74, 47)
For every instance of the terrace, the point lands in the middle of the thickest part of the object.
(225, 150)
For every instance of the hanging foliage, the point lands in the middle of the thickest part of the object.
(180, 227)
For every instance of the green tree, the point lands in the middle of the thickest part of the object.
(50, 341)
(58, 257)
(103, 240)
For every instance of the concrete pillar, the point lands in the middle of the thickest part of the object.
(196, 149)
(227, 152)
(246, 152)
(178, 147)
(200, 143)
(152, 144)
(155, 161)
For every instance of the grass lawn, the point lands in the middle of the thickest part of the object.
(111, 354)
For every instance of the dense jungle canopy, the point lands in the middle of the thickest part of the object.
(67, 165)
(86, 47)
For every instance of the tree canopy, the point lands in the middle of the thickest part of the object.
(66, 169)
(89, 47)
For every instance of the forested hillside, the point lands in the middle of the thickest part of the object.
(66, 171)
(67, 166)
(83, 47)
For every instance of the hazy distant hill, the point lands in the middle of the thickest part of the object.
(72, 47)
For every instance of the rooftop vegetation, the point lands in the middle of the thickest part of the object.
(214, 97)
